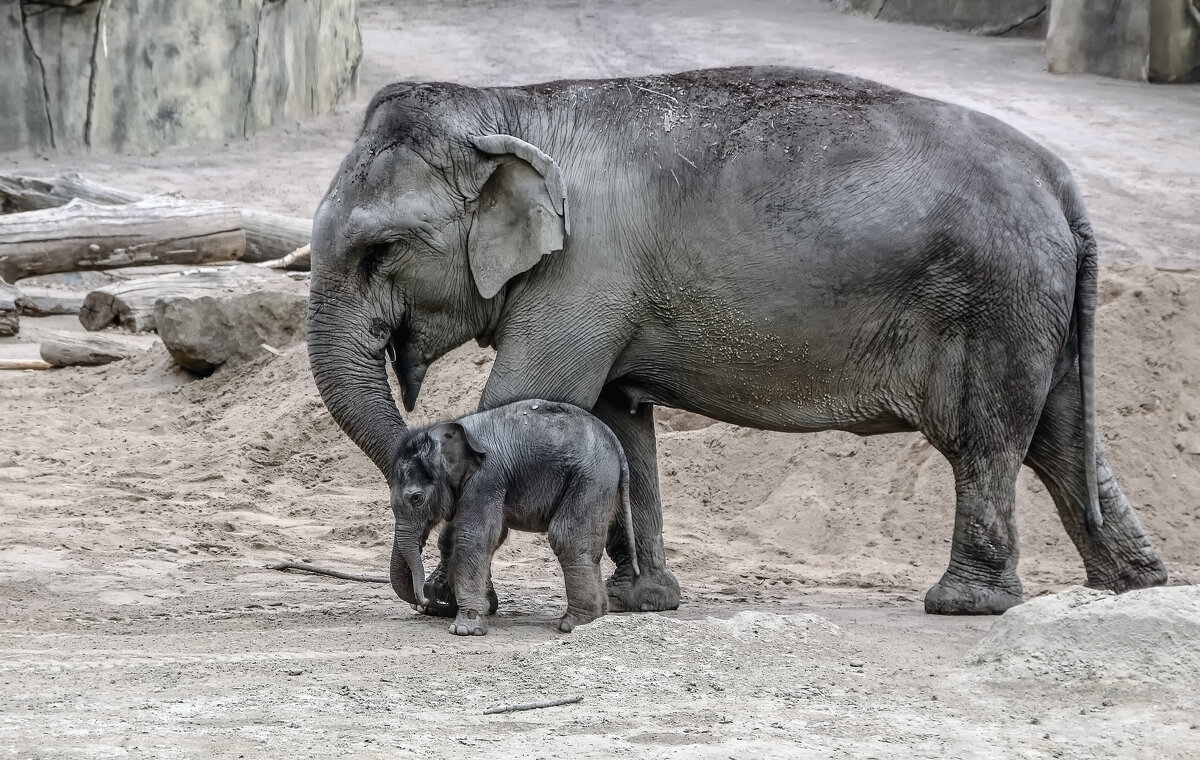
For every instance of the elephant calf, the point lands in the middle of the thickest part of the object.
(532, 465)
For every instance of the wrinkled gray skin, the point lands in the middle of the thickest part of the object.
(780, 248)
(533, 465)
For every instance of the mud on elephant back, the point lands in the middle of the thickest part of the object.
(781, 248)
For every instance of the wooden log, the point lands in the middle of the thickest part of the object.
(48, 302)
(10, 310)
(268, 236)
(83, 235)
(67, 349)
(32, 194)
(131, 304)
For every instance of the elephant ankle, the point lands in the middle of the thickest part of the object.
(958, 595)
(654, 590)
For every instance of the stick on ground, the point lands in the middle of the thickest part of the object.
(519, 706)
(302, 566)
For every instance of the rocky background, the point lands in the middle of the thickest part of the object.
(119, 76)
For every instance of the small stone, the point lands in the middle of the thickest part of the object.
(856, 663)
(295, 672)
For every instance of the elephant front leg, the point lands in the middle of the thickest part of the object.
(439, 587)
(656, 588)
(474, 546)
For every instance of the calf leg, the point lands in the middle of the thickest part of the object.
(474, 545)
(576, 535)
(439, 588)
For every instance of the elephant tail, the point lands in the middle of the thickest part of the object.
(624, 489)
(1086, 299)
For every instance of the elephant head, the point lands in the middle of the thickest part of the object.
(427, 477)
(434, 210)
(436, 207)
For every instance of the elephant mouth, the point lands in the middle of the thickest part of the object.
(399, 353)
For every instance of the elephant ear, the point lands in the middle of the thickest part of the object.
(461, 453)
(521, 214)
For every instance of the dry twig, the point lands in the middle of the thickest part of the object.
(519, 706)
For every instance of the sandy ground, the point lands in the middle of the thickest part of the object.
(140, 505)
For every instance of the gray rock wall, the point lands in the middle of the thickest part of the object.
(1151, 41)
(139, 75)
(1010, 18)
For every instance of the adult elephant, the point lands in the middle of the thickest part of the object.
(780, 248)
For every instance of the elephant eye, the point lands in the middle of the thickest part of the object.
(416, 499)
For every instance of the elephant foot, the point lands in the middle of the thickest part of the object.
(469, 623)
(653, 590)
(954, 596)
(442, 603)
(572, 620)
(1148, 572)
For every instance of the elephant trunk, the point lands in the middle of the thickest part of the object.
(345, 352)
(407, 569)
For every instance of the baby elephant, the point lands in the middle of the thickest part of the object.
(533, 465)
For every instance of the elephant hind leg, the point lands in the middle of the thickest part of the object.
(656, 587)
(981, 413)
(982, 576)
(1121, 557)
(576, 534)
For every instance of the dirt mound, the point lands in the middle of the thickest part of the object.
(1142, 637)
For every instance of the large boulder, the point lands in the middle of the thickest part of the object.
(134, 77)
(208, 332)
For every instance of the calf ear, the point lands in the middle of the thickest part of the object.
(461, 453)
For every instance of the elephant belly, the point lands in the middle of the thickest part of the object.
(790, 388)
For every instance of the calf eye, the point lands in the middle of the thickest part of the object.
(416, 499)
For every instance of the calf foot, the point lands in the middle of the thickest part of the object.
(469, 623)
(956, 596)
(655, 589)
(442, 603)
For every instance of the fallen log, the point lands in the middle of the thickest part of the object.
(10, 310)
(48, 302)
(131, 304)
(82, 235)
(33, 194)
(67, 349)
(268, 236)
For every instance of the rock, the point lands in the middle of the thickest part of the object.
(130, 303)
(140, 76)
(208, 332)
(998, 18)
(1157, 42)
(1143, 637)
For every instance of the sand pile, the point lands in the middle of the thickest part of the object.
(1142, 637)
